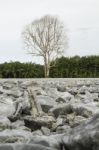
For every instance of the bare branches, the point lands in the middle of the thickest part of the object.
(45, 37)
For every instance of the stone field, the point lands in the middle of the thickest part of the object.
(49, 114)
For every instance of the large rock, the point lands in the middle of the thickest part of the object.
(65, 97)
(82, 110)
(45, 130)
(37, 123)
(63, 129)
(37, 132)
(24, 147)
(15, 92)
(14, 136)
(74, 120)
(52, 92)
(8, 86)
(52, 141)
(7, 107)
(61, 88)
(46, 102)
(61, 109)
(4, 123)
(25, 103)
(85, 136)
(17, 124)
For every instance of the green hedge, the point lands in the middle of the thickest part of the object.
(65, 67)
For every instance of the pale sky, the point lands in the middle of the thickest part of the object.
(81, 17)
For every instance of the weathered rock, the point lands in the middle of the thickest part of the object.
(37, 123)
(95, 97)
(28, 83)
(4, 123)
(61, 109)
(17, 124)
(82, 110)
(71, 101)
(61, 88)
(24, 128)
(1, 90)
(74, 120)
(83, 90)
(39, 91)
(14, 136)
(46, 102)
(14, 118)
(63, 129)
(24, 147)
(8, 86)
(60, 100)
(15, 93)
(47, 141)
(45, 130)
(84, 136)
(52, 92)
(66, 96)
(94, 89)
(37, 132)
(73, 91)
(25, 103)
(59, 121)
(7, 107)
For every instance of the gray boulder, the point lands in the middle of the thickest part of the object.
(38, 122)
(61, 88)
(7, 107)
(63, 129)
(4, 123)
(17, 124)
(65, 97)
(16, 92)
(24, 147)
(46, 102)
(61, 109)
(52, 141)
(82, 110)
(37, 132)
(45, 130)
(84, 136)
(14, 136)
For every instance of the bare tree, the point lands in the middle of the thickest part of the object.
(46, 38)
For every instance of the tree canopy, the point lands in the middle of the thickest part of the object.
(45, 38)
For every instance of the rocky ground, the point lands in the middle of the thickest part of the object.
(49, 114)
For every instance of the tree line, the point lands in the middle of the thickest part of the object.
(64, 67)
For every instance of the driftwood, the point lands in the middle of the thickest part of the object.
(36, 107)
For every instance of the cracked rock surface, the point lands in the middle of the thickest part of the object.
(49, 114)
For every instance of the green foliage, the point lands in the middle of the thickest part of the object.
(65, 67)
(76, 67)
(21, 70)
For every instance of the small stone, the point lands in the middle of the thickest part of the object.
(63, 129)
(45, 130)
(37, 132)
(61, 88)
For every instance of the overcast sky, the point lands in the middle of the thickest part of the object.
(81, 17)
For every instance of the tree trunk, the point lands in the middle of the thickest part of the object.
(46, 68)
(47, 73)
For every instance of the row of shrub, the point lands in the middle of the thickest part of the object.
(21, 70)
(64, 67)
(76, 67)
